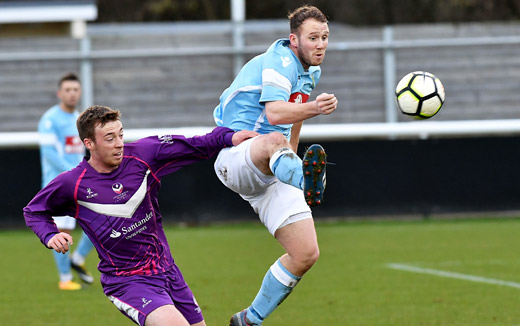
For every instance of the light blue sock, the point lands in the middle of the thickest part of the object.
(287, 167)
(84, 245)
(63, 264)
(277, 285)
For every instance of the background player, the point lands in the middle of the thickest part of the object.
(270, 95)
(114, 197)
(61, 150)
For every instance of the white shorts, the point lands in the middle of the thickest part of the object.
(65, 222)
(276, 203)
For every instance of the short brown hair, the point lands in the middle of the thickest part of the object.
(68, 76)
(91, 117)
(301, 14)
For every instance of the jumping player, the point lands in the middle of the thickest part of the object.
(270, 95)
(113, 195)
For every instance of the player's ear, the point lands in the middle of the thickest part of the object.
(293, 38)
(88, 143)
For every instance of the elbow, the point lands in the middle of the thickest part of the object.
(274, 119)
(275, 112)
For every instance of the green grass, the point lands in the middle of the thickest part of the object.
(350, 285)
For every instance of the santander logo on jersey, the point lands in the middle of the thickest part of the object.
(299, 98)
(73, 145)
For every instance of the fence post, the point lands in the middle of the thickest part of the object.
(87, 84)
(238, 13)
(389, 74)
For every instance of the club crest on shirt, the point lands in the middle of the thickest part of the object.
(117, 187)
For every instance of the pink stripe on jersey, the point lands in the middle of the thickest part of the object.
(76, 192)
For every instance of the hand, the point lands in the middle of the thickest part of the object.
(326, 103)
(60, 242)
(242, 135)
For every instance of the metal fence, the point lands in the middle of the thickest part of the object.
(388, 46)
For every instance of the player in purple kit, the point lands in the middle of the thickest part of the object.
(113, 195)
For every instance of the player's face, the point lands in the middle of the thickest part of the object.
(311, 42)
(69, 94)
(106, 151)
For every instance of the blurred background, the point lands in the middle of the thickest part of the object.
(164, 63)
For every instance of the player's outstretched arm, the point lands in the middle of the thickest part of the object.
(243, 135)
(60, 242)
(281, 112)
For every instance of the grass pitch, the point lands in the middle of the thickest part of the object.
(462, 272)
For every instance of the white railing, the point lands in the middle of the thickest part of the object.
(327, 132)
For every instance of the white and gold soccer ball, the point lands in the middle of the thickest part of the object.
(420, 94)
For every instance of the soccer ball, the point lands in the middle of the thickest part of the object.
(420, 94)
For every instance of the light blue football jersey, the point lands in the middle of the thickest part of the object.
(276, 75)
(61, 148)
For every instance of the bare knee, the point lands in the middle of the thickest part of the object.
(277, 139)
(305, 259)
(273, 141)
(263, 148)
(311, 257)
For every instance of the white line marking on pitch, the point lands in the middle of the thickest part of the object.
(465, 277)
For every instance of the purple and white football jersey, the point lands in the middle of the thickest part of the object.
(119, 211)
